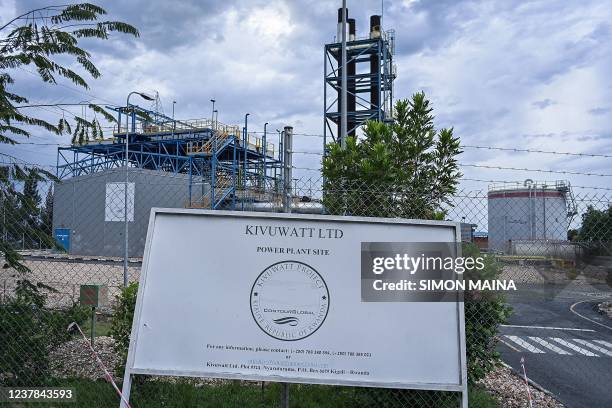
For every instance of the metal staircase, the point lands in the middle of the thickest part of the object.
(565, 187)
(215, 144)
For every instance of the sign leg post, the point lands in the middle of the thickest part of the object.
(464, 398)
(284, 395)
(126, 388)
(287, 202)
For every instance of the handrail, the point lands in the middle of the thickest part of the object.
(221, 130)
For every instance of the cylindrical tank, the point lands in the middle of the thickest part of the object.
(528, 212)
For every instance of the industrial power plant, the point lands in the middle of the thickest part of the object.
(204, 163)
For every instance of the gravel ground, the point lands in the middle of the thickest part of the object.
(509, 389)
(74, 358)
(605, 308)
(521, 273)
(66, 278)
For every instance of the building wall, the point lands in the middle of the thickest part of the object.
(92, 211)
(523, 215)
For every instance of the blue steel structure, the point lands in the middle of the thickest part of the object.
(369, 90)
(229, 164)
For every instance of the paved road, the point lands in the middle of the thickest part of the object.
(568, 354)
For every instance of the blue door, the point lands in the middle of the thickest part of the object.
(62, 236)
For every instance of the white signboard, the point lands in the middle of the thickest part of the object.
(277, 297)
(114, 208)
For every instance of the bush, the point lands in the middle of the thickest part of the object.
(29, 331)
(121, 324)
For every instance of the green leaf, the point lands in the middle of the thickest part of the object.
(98, 109)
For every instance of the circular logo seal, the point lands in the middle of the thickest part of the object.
(289, 300)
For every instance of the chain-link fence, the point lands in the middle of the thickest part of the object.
(555, 243)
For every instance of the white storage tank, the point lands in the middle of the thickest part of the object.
(529, 211)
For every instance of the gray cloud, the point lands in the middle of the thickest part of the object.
(599, 111)
(544, 103)
(495, 70)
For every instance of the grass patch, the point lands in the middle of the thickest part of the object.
(103, 326)
(240, 394)
(481, 398)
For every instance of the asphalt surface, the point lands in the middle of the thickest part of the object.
(567, 354)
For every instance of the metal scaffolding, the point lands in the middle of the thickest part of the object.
(228, 164)
(369, 90)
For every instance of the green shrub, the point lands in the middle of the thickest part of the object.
(121, 324)
(29, 331)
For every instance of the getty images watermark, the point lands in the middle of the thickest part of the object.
(423, 272)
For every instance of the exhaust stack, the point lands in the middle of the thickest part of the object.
(339, 37)
(351, 70)
(374, 65)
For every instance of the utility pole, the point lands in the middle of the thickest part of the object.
(246, 148)
(173, 121)
(127, 181)
(343, 90)
(265, 154)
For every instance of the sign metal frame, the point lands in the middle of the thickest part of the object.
(131, 370)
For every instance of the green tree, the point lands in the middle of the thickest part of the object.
(402, 169)
(47, 41)
(596, 225)
(47, 213)
(596, 231)
(30, 213)
(408, 169)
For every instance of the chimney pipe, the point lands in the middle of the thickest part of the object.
(339, 37)
(340, 69)
(352, 29)
(351, 100)
(374, 26)
(375, 32)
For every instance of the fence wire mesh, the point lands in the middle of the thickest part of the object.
(57, 236)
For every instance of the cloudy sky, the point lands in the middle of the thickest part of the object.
(510, 74)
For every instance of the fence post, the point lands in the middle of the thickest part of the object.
(287, 168)
(287, 179)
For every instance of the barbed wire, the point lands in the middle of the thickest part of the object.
(307, 152)
(471, 146)
(305, 168)
(509, 168)
(534, 170)
(515, 182)
(512, 149)
(17, 160)
(74, 89)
